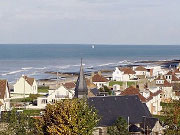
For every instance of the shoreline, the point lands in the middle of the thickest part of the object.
(108, 70)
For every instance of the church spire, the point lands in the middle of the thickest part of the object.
(81, 89)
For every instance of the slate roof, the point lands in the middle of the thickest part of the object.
(99, 78)
(81, 86)
(140, 68)
(149, 122)
(29, 80)
(111, 107)
(3, 84)
(94, 91)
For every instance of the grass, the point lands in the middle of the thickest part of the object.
(115, 82)
(28, 99)
(43, 89)
(121, 83)
(131, 83)
(32, 112)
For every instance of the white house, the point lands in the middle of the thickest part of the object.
(4, 96)
(153, 71)
(99, 80)
(64, 91)
(152, 100)
(25, 85)
(123, 74)
(140, 70)
(166, 87)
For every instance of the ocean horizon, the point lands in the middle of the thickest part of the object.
(36, 59)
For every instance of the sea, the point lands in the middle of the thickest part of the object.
(35, 60)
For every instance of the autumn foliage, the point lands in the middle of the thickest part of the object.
(68, 117)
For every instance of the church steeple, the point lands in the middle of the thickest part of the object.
(81, 89)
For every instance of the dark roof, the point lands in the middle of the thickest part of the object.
(148, 122)
(111, 107)
(95, 91)
(134, 128)
(81, 86)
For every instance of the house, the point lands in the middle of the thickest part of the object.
(123, 74)
(62, 91)
(151, 99)
(99, 80)
(176, 91)
(4, 96)
(25, 85)
(171, 77)
(136, 113)
(153, 71)
(109, 108)
(140, 71)
(166, 87)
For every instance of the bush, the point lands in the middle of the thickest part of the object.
(68, 117)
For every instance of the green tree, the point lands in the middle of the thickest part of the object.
(119, 128)
(17, 123)
(172, 118)
(68, 117)
(105, 89)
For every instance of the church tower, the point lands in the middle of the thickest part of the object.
(81, 89)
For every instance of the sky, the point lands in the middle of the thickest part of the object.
(90, 22)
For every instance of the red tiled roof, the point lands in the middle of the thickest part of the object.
(166, 83)
(29, 80)
(3, 84)
(133, 91)
(140, 68)
(177, 93)
(156, 93)
(170, 73)
(174, 78)
(69, 85)
(1, 103)
(99, 78)
(127, 70)
(177, 71)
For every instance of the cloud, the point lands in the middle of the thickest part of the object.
(85, 21)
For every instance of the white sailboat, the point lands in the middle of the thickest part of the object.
(93, 46)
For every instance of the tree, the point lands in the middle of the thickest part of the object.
(68, 117)
(17, 123)
(105, 89)
(119, 128)
(172, 117)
